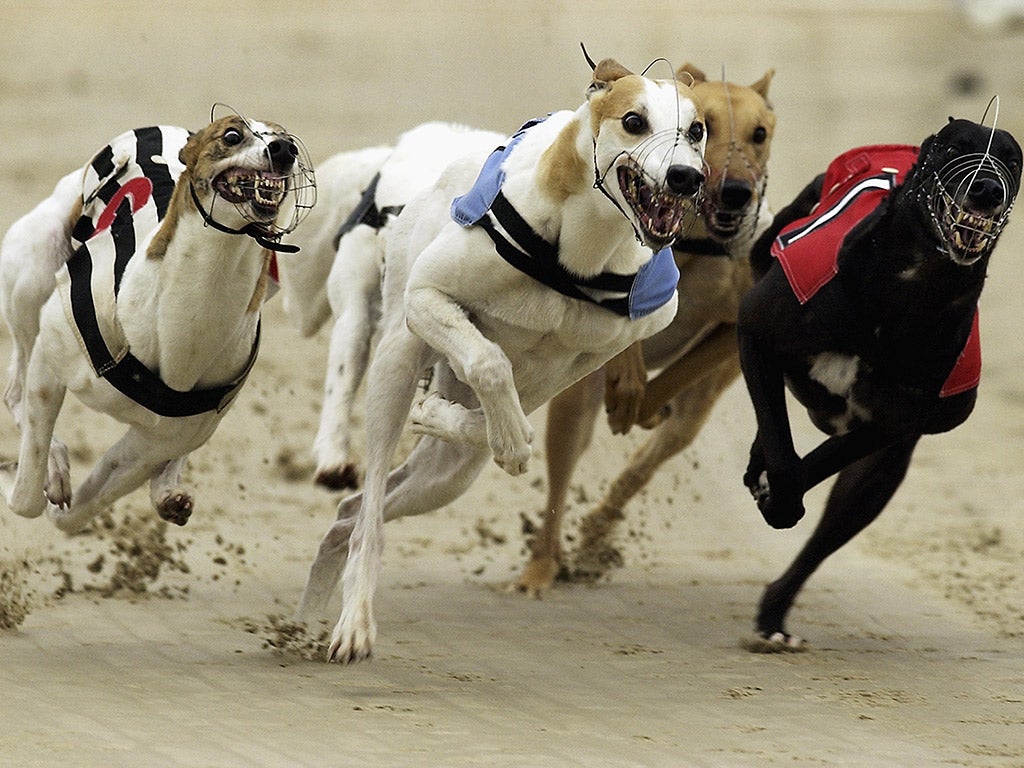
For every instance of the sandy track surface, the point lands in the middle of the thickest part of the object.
(138, 644)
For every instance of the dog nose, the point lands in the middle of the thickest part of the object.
(985, 193)
(684, 179)
(282, 153)
(735, 194)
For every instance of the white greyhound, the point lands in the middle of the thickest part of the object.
(138, 286)
(555, 260)
(361, 193)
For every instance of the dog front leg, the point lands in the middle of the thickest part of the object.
(354, 289)
(780, 494)
(625, 377)
(481, 364)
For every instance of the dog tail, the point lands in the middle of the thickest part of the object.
(761, 252)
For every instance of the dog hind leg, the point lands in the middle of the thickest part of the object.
(435, 473)
(41, 458)
(859, 495)
(33, 249)
(571, 417)
(170, 500)
(355, 294)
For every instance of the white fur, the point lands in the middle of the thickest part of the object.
(166, 307)
(353, 286)
(502, 343)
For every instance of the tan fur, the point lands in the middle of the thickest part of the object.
(76, 214)
(180, 202)
(260, 292)
(561, 170)
(692, 384)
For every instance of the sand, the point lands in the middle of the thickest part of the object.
(138, 643)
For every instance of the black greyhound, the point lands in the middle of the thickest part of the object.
(867, 310)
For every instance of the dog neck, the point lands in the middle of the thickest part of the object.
(907, 287)
(592, 234)
(201, 290)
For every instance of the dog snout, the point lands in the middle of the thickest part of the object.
(985, 194)
(735, 194)
(283, 153)
(684, 179)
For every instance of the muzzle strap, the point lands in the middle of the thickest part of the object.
(253, 230)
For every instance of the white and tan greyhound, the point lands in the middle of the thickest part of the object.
(554, 260)
(138, 286)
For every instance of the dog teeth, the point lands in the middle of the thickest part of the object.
(661, 214)
(239, 186)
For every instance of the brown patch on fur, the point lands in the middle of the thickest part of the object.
(180, 201)
(260, 291)
(614, 100)
(561, 171)
(202, 150)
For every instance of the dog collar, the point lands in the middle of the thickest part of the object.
(253, 230)
(700, 246)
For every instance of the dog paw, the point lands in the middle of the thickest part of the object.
(780, 512)
(58, 476)
(337, 478)
(441, 418)
(538, 577)
(352, 640)
(779, 497)
(774, 642)
(175, 508)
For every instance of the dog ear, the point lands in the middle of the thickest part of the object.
(761, 86)
(606, 72)
(693, 72)
(188, 154)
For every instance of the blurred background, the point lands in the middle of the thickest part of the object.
(347, 74)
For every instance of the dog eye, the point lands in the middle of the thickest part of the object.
(634, 123)
(952, 152)
(232, 137)
(696, 131)
(760, 135)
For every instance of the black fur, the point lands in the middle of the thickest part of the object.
(907, 333)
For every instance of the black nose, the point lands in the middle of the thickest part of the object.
(684, 179)
(985, 193)
(735, 194)
(282, 153)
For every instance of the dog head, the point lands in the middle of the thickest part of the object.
(649, 139)
(260, 169)
(967, 177)
(740, 124)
